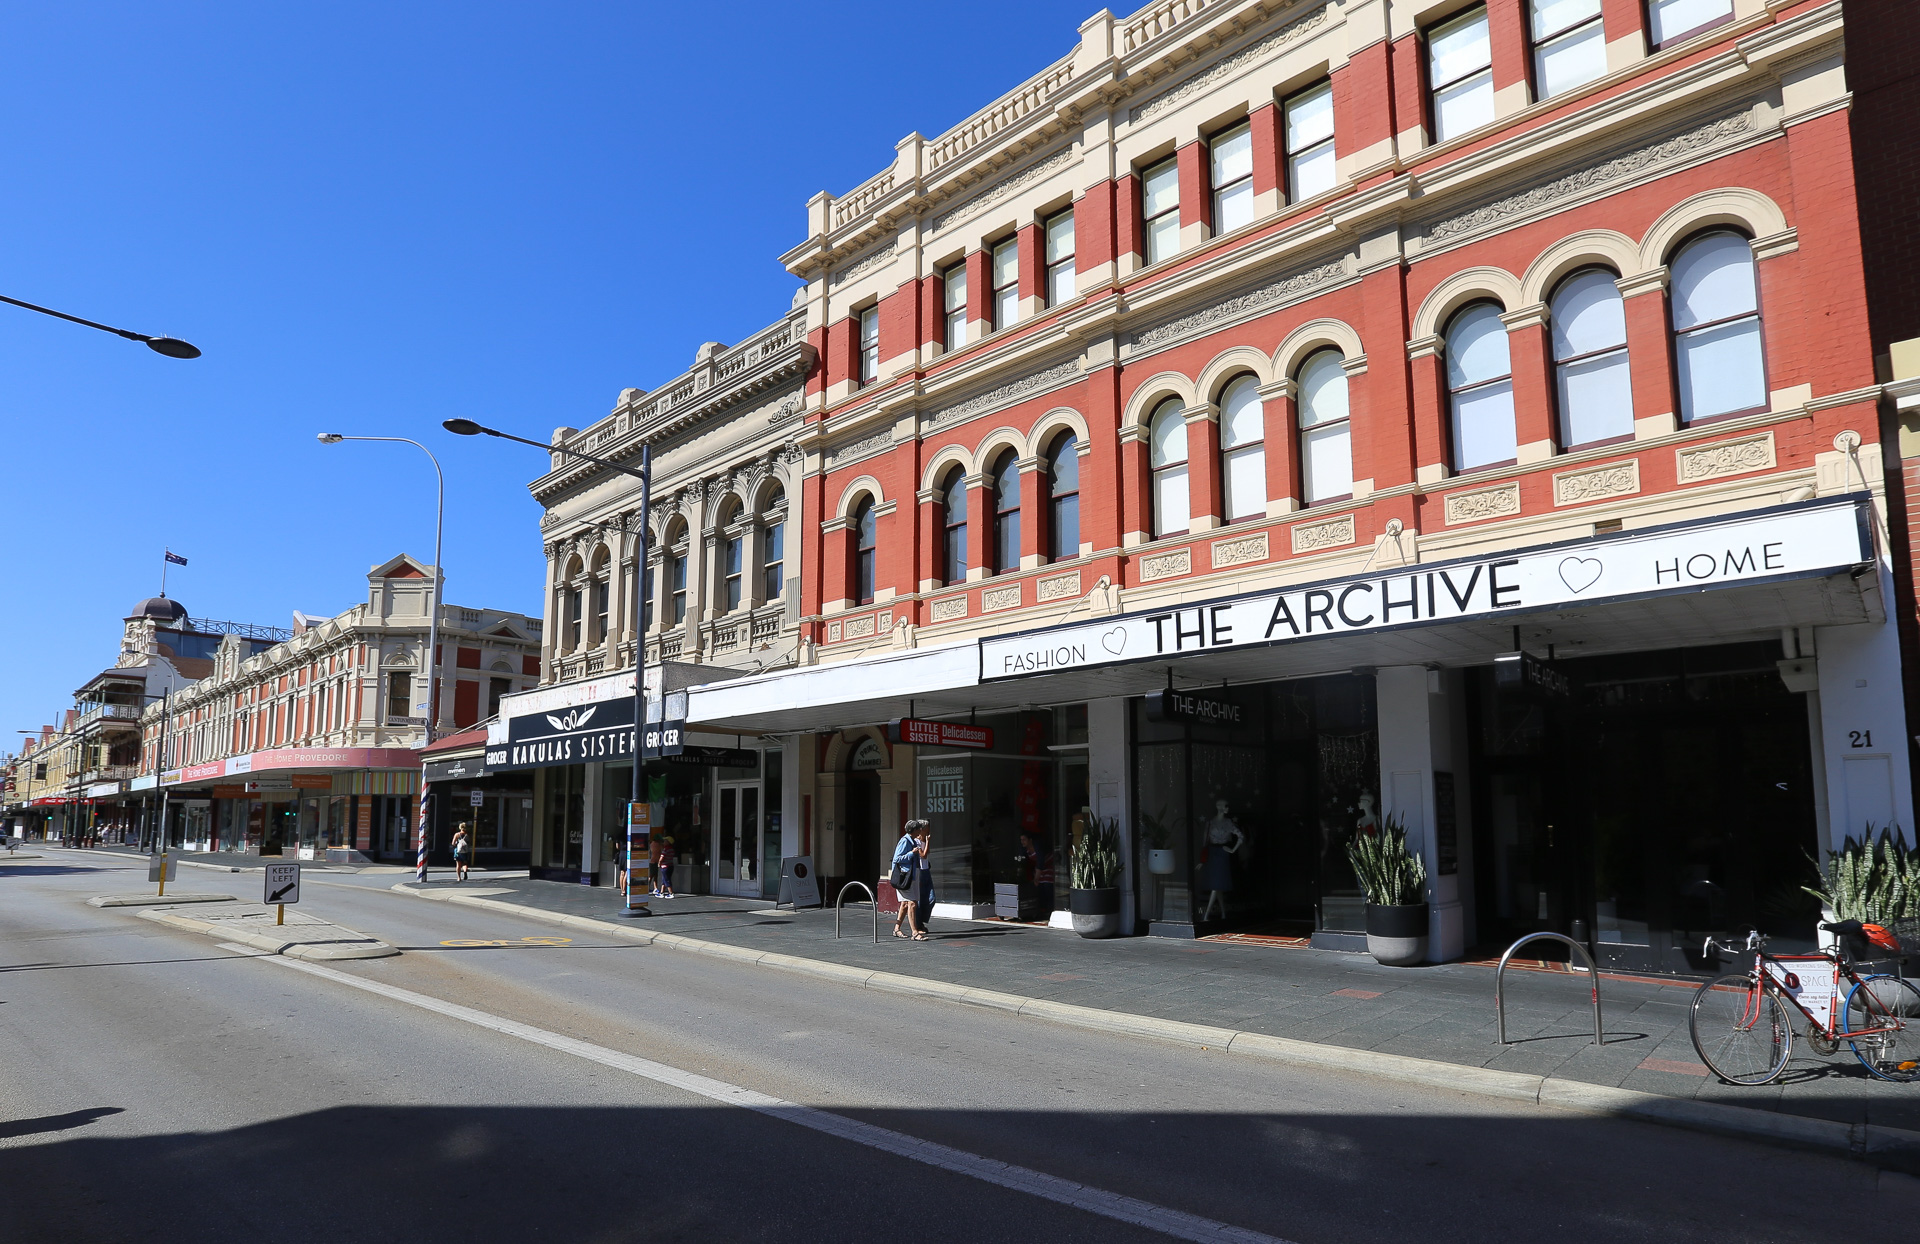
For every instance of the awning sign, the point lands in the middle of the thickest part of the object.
(939, 733)
(1787, 542)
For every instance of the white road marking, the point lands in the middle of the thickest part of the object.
(1172, 1222)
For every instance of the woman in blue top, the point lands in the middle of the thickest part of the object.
(904, 874)
(923, 890)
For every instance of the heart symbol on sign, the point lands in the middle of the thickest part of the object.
(1580, 573)
(1115, 640)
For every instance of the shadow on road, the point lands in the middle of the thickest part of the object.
(56, 1122)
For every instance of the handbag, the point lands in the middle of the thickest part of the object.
(900, 877)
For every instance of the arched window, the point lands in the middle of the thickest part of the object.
(1006, 513)
(1716, 328)
(574, 605)
(773, 546)
(733, 558)
(864, 533)
(1167, 458)
(675, 565)
(953, 519)
(1063, 509)
(1591, 382)
(1480, 389)
(1243, 450)
(1326, 436)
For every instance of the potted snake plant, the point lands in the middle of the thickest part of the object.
(1395, 883)
(1157, 833)
(1095, 901)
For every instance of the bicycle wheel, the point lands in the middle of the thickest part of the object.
(1890, 1003)
(1740, 1030)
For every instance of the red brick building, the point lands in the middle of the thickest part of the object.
(1227, 348)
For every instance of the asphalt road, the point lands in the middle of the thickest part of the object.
(506, 1083)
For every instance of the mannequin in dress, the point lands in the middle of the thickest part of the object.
(1224, 839)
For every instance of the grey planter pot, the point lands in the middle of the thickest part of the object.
(1397, 936)
(1096, 913)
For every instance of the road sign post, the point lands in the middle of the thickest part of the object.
(639, 855)
(282, 887)
(160, 868)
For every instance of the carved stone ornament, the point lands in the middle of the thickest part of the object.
(1328, 533)
(1240, 551)
(1000, 598)
(1594, 176)
(861, 448)
(860, 627)
(1718, 458)
(1001, 189)
(1007, 394)
(863, 265)
(1483, 503)
(950, 608)
(1252, 55)
(1594, 483)
(1166, 565)
(1058, 587)
(1297, 285)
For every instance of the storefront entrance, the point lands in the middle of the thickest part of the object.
(737, 846)
(1650, 800)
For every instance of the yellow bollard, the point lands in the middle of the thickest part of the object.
(163, 874)
(282, 917)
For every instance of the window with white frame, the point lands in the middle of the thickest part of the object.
(1460, 74)
(1592, 385)
(1569, 44)
(732, 565)
(953, 523)
(1480, 389)
(1059, 231)
(1243, 450)
(1230, 162)
(1006, 513)
(1326, 431)
(1063, 497)
(1167, 459)
(1715, 307)
(866, 527)
(1160, 209)
(954, 283)
(870, 345)
(1004, 272)
(1309, 141)
(1669, 21)
(677, 585)
(773, 547)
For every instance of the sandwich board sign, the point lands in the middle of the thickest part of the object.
(798, 886)
(283, 883)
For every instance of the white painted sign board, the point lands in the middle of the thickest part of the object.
(283, 883)
(153, 867)
(798, 885)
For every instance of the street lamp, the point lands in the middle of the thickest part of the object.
(432, 661)
(172, 347)
(467, 427)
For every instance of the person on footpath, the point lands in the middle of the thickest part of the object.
(904, 875)
(663, 866)
(462, 846)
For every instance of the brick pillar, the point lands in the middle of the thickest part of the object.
(1507, 28)
(1527, 351)
(1626, 27)
(1034, 488)
(1203, 468)
(1033, 275)
(1102, 487)
(1380, 399)
(1279, 417)
(929, 532)
(1093, 237)
(1650, 353)
(1263, 127)
(1432, 447)
(1196, 203)
(979, 294)
(979, 526)
(1364, 101)
(1130, 247)
(933, 312)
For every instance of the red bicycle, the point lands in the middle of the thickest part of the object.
(1740, 1022)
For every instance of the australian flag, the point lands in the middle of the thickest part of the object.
(175, 558)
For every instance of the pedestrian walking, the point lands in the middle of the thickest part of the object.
(462, 847)
(663, 867)
(904, 875)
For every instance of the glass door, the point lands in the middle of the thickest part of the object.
(736, 849)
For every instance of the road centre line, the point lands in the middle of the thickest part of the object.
(1172, 1222)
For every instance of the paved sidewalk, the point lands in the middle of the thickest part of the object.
(1444, 1013)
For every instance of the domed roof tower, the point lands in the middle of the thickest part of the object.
(160, 609)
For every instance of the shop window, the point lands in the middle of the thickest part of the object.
(1063, 486)
(1591, 382)
(1059, 230)
(1670, 21)
(954, 281)
(1460, 74)
(865, 531)
(1243, 450)
(1326, 434)
(1480, 389)
(1716, 328)
(869, 345)
(1167, 459)
(399, 698)
(1160, 209)
(1569, 44)
(1006, 513)
(1004, 272)
(1230, 159)
(953, 521)
(1310, 159)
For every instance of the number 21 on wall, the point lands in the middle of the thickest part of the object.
(1860, 738)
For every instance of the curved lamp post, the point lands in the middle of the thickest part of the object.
(467, 427)
(172, 347)
(432, 661)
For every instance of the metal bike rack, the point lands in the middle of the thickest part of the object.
(842, 898)
(1593, 975)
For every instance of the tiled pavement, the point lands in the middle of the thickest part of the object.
(1441, 1012)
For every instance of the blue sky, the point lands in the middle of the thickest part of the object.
(375, 217)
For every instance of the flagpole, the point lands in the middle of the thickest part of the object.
(164, 550)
